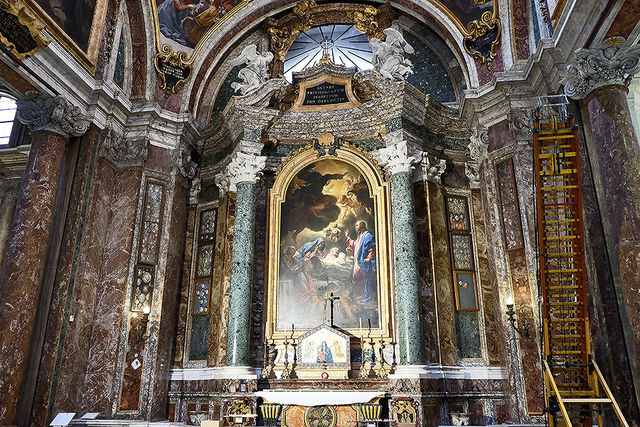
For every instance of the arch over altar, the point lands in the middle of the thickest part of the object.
(329, 233)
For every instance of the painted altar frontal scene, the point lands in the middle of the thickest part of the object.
(328, 245)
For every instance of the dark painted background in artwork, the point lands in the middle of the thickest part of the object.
(73, 16)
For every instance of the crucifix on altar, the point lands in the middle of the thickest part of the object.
(331, 299)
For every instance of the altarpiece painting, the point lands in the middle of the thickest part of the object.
(329, 236)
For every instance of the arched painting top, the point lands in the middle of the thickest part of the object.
(328, 234)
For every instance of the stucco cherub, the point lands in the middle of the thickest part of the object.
(255, 72)
(388, 55)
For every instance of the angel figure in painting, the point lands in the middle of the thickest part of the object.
(255, 73)
(388, 55)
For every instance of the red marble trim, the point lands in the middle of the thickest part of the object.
(520, 25)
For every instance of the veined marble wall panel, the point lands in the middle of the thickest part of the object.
(518, 250)
(162, 321)
(425, 266)
(220, 284)
(493, 329)
(499, 272)
(520, 24)
(607, 339)
(185, 289)
(442, 275)
(120, 210)
(9, 189)
(46, 399)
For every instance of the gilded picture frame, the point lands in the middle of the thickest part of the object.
(88, 57)
(307, 159)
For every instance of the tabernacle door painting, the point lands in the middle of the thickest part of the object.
(328, 241)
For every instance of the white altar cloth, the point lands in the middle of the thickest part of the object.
(318, 398)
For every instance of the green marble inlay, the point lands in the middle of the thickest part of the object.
(225, 93)
(405, 258)
(199, 342)
(468, 334)
(241, 272)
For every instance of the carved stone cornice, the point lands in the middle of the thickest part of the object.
(479, 144)
(124, 151)
(52, 114)
(521, 124)
(243, 167)
(397, 156)
(181, 160)
(431, 169)
(473, 174)
(601, 66)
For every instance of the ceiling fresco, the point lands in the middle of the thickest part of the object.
(183, 28)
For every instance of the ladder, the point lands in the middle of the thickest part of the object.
(573, 380)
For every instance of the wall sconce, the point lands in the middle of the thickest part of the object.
(511, 317)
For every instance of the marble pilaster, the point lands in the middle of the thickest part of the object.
(241, 174)
(601, 76)
(399, 164)
(52, 121)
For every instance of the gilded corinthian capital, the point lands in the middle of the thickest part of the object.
(53, 114)
(601, 66)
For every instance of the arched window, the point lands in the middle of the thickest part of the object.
(344, 44)
(7, 117)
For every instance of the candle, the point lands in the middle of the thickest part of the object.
(360, 326)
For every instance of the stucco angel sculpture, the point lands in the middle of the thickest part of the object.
(388, 55)
(255, 73)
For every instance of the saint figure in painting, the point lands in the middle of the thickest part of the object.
(325, 246)
(364, 261)
(324, 354)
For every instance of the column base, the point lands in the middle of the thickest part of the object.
(238, 372)
(410, 371)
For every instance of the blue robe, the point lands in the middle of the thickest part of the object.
(367, 242)
(170, 21)
(306, 248)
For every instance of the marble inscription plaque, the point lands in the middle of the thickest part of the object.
(325, 94)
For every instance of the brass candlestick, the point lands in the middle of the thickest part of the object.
(265, 362)
(286, 373)
(382, 371)
(364, 372)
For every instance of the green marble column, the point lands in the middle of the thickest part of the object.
(241, 272)
(405, 259)
(395, 158)
(240, 176)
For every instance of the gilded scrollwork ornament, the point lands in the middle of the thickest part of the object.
(20, 30)
(483, 37)
(173, 67)
(282, 37)
(366, 21)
